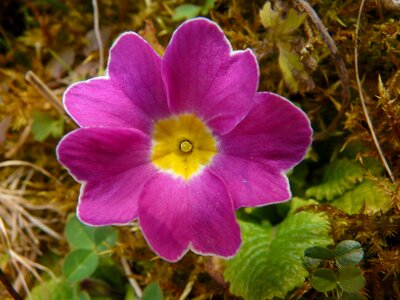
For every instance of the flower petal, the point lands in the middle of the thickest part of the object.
(176, 215)
(251, 183)
(272, 138)
(112, 164)
(135, 68)
(206, 78)
(98, 102)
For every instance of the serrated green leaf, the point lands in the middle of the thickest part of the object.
(340, 176)
(324, 280)
(81, 236)
(246, 271)
(319, 253)
(186, 11)
(43, 126)
(152, 292)
(80, 264)
(269, 265)
(54, 289)
(269, 17)
(348, 252)
(350, 279)
(367, 195)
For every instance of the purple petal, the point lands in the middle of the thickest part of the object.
(273, 138)
(250, 182)
(205, 77)
(98, 102)
(112, 164)
(135, 68)
(176, 215)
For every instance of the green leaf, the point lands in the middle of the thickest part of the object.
(311, 264)
(292, 22)
(54, 289)
(130, 293)
(367, 195)
(152, 292)
(319, 252)
(105, 237)
(350, 279)
(186, 11)
(324, 280)
(348, 252)
(290, 65)
(269, 263)
(339, 176)
(208, 5)
(43, 126)
(80, 264)
(81, 236)
(83, 295)
(269, 17)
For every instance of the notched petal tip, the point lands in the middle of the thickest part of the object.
(205, 77)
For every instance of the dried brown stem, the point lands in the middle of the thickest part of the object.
(132, 281)
(98, 34)
(7, 284)
(21, 141)
(340, 67)
(362, 99)
(47, 93)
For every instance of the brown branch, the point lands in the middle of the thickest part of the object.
(340, 67)
(363, 103)
(7, 284)
(48, 94)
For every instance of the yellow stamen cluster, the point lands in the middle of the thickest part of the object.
(182, 145)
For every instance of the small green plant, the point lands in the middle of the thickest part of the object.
(189, 11)
(337, 269)
(280, 30)
(43, 126)
(89, 248)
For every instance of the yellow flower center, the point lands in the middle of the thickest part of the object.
(182, 145)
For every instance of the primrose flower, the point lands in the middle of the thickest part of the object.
(180, 142)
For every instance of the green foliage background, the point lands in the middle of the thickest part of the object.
(342, 192)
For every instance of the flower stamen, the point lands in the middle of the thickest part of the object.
(182, 145)
(186, 146)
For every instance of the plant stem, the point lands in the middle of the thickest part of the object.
(7, 284)
(362, 99)
(339, 64)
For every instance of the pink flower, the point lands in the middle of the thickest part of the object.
(180, 142)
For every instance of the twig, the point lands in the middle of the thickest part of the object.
(7, 284)
(48, 94)
(188, 288)
(12, 163)
(44, 90)
(340, 67)
(132, 281)
(362, 99)
(22, 139)
(98, 35)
